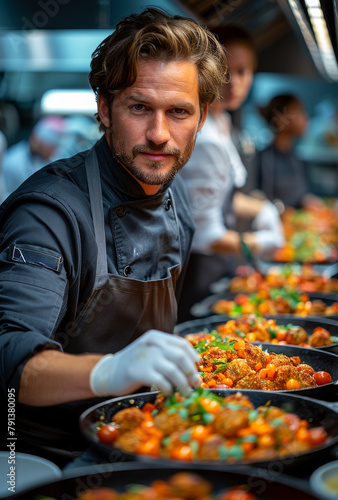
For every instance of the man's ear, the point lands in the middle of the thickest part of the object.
(103, 110)
(204, 115)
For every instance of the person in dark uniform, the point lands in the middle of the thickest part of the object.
(281, 174)
(93, 248)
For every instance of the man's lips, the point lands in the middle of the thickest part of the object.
(155, 156)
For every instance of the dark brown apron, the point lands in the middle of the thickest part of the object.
(119, 310)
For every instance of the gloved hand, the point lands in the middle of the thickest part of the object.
(267, 243)
(268, 218)
(156, 358)
(269, 234)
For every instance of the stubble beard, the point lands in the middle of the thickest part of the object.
(154, 177)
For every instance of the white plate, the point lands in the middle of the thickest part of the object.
(19, 471)
(319, 478)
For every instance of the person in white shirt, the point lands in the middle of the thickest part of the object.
(26, 157)
(213, 177)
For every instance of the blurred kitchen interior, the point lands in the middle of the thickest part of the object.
(45, 49)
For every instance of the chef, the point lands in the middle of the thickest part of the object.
(217, 203)
(93, 247)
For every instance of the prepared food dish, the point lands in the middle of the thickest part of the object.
(258, 329)
(303, 278)
(208, 427)
(274, 301)
(311, 234)
(238, 364)
(179, 486)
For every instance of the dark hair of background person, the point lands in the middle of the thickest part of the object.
(156, 35)
(276, 107)
(232, 34)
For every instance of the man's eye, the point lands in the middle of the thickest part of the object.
(179, 111)
(138, 107)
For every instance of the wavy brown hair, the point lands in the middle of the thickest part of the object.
(156, 35)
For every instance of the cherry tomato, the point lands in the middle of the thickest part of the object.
(150, 447)
(322, 378)
(210, 405)
(241, 299)
(108, 433)
(317, 436)
(181, 453)
(200, 432)
(148, 408)
(292, 384)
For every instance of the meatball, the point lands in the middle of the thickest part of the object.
(219, 354)
(239, 399)
(296, 336)
(284, 373)
(228, 422)
(272, 412)
(317, 307)
(287, 372)
(283, 433)
(280, 359)
(170, 423)
(262, 334)
(303, 367)
(237, 369)
(320, 338)
(306, 380)
(254, 355)
(128, 419)
(209, 448)
(186, 485)
(250, 381)
(128, 442)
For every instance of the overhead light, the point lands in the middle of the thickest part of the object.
(68, 102)
(321, 32)
(319, 45)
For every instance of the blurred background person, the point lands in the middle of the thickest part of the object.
(213, 177)
(21, 160)
(3, 146)
(281, 175)
(81, 133)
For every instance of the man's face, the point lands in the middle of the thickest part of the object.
(152, 125)
(241, 68)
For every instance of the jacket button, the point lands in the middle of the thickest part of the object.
(121, 211)
(168, 204)
(127, 270)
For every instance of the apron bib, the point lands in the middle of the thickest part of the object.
(121, 308)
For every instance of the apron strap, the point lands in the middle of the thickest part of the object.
(96, 205)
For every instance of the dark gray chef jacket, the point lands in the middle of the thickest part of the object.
(48, 252)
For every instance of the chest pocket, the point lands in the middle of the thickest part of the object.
(146, 238)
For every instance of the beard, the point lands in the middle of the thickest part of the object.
(154, 175)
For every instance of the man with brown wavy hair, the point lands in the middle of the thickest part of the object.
(99, 242)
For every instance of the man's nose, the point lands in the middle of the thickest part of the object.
(158, 129)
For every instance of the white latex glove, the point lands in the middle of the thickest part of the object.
(156, 358)
(269, 232)
(267, 242)
(268, 218)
